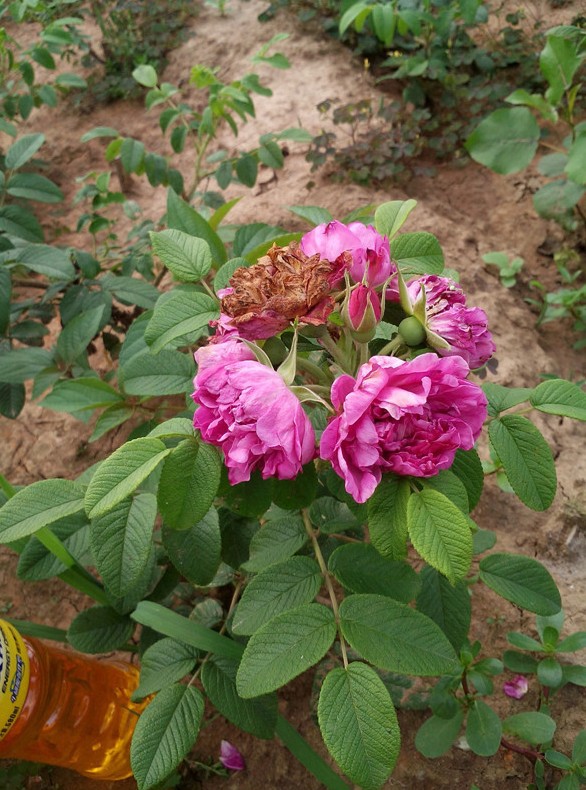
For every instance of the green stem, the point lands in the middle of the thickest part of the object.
(363, 353)
(336, 352)
(328, 581)
(313, 370)
(391, 346)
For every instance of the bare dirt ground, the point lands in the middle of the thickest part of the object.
(471, 211)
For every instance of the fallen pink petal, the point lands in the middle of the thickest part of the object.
(517, 687)
(231, 758)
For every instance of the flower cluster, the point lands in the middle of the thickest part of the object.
(406, 409)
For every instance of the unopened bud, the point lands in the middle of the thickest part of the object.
(362, 312)
(412, 331)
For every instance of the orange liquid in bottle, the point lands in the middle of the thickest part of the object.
(77, 713)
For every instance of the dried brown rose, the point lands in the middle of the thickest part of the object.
(283, 286)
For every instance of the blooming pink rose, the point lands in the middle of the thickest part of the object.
(246, 409)
(446, 315)
(403, 417)
(230, 757)
(517, 687)
(370, 251)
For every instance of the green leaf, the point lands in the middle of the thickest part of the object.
(387, 516)
(557, 198)
(558, 396)
(501, 398)
(167, 373)
(130, 290)
(247, 169)
(448, 606)
(329, 515)
(251, 498)
(50, 261)
(70, 80)
(180, 318)
(225, 272)
(20, 364)
(19, 222)
(187, 257)
(360, 568)
(572, 643)
(558, 61)
(359, 724)
(393, 636)
(75, 337)
(576, 167)
(38, 505)
(275, 541)
(5, 296)
(315, 215)
(257, 716)
(483, 729)
(356, 14)
(99, 131)
(534, 100)
(111, 418)
(468, 467)
(121, 473)
(37, 563)
(21, 151)
(121, 542)
(162, 664)
(297, 493)
(169, 623)
(73, 395)
(195, 552)
(526, 459)
(521, 580)
(189, 482)
(532, 727)
(99, 629)
(181, 216)
(436, 735)
(550, 673)
(417, 253)
(440, 533)
(271, 155)
(164, 734)
(132, 154)
(579, 748)
(519, 662)
(285, 647)
(280, 588)
(12, 399)
(145, 75)
(390, 217)
(506, 141)
(32, 186)
(450, 485)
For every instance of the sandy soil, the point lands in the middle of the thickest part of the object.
(471, 211)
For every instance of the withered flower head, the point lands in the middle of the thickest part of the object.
(283, 286)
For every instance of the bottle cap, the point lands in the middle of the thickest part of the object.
(14, 676)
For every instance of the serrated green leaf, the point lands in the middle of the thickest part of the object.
(393, 636)
(297, 493)
(167, 373)
(279, 588)
(448, 606)
(315, 215)
(37, 563)
(360, 568)
(22, 150)
(450, 485)
(38, 505)
(181, 216)
(20, 364)
(189, 482)
(359, 724)
(275, 541)
(501, 398)
(257, 716)
(12, 399)
(164, 734)
(132, 154)
(20, 223)
(440, 533)
(111, 418)
(521, 580)
(32, 186)
(164, 663)
(483, 729)
(195, 552)
(120, 474)
(560, 397)
(417, 253)
(436, 735)
(225, 272)
(130, 290)
(329, 515)
(187, 257)
(176, 426)
(121, 542)
(506, 141)
(389, 217)
(49, 261)
(99, 629)
(468, 467)
(526, 459)
(387, 516)
(81, 394)
(181, 317)
(284, 648)
(75, 337)
(532, 727)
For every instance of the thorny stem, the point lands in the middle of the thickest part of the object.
(326, 575)
(338, 355)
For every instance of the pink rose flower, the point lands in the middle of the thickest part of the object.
(465, 329)
(246, 409)
(403, 417)
(371, 256)
(230, 757)
(517, 687)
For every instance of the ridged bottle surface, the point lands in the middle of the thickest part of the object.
(75, 713)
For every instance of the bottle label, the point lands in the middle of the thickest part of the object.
(14, 676)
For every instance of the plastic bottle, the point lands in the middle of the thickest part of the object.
(65, 708)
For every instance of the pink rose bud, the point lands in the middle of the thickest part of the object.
(362, 312)
(517, 687)
(230, 757)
